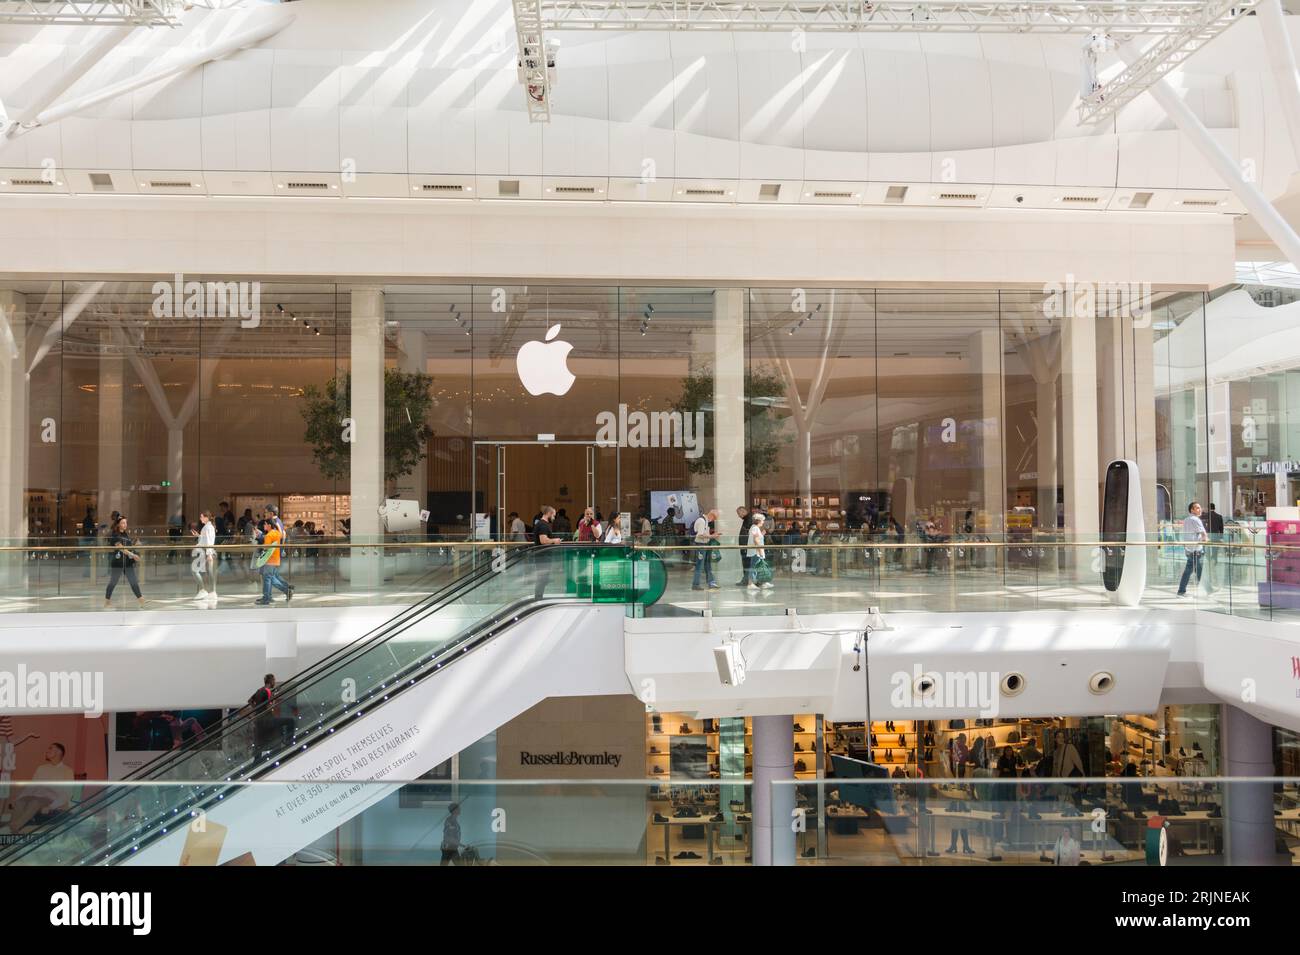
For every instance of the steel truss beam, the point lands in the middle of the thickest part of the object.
(152, 13)
(1162, 57)
(1081, 17)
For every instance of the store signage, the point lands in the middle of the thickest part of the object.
(653, 429)
(570, 758)
(544, 366)
(1277, 467)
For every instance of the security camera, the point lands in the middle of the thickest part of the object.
(1020, 198)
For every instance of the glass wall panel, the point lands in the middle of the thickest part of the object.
(813, 457)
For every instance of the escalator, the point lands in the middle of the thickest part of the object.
(416, 689)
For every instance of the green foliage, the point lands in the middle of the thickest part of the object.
(763, 428)
(407, 399)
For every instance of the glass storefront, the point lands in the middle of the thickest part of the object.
(939, 411)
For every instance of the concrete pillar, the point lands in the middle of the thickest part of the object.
(112, 412)
(413, 358)
(1248, 806)
(1079, 421)
(774, 838)
(728, 425)
(13, 426)
(366, 409)
(986, 361)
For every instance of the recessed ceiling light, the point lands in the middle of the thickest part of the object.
(332, 186)
(279, 185)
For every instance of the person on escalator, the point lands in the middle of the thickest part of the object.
(451, 836)
(543, 536)
(267, 721)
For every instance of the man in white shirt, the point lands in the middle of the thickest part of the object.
(1193, 537)
(704, 536)
(518, 532)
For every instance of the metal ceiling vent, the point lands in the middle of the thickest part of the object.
(705, 192)
(829, 194)
(170, 184)
(1203, 203)
(444, 187)
(896, 193)
(307, 185)
(1080, 200)
(575, 190)
(101, 182)
(30, 182)
(959, 196)
(1140, 200)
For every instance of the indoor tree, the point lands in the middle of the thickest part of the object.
(407, 400)
(763, 430)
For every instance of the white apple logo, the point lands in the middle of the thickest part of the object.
(543, 366)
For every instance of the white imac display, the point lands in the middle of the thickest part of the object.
(400, 517)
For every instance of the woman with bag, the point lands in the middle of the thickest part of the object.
(760, 571)
(124, 561)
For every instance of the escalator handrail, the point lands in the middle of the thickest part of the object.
(295, 684)
(106, 797)
(479, 633)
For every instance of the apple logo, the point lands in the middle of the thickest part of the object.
(543, 366)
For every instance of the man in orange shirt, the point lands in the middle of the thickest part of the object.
(270, 535)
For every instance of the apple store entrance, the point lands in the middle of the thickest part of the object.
(511, 476)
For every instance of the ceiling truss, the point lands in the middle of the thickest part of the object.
(1179, 28)
(151, 13)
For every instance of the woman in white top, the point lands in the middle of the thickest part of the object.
(756, 553)
(204, 559)
(614, 532)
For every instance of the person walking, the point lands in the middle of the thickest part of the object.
(268, 723)
(745, 521)
(704, 536)
(270, 564)
(123, 562)
(518, 532)
(451, 836)
(758, 567)
(1194, 537)
(204, 559)
(543, 536)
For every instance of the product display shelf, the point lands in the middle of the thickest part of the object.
(1000, 730)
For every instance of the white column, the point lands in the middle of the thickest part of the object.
(986, 361)
(1110, 396)
(366, 409)
(728, 424)
(1079, 421)
(413, 358)
(112, 393)
(1248, 806)
(1042, 356)
(774, 842)
(1144, 417)
(13, 425)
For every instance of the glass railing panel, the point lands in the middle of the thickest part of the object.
(1026, 821)
(352, 680)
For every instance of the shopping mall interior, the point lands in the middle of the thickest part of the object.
(813, 435)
